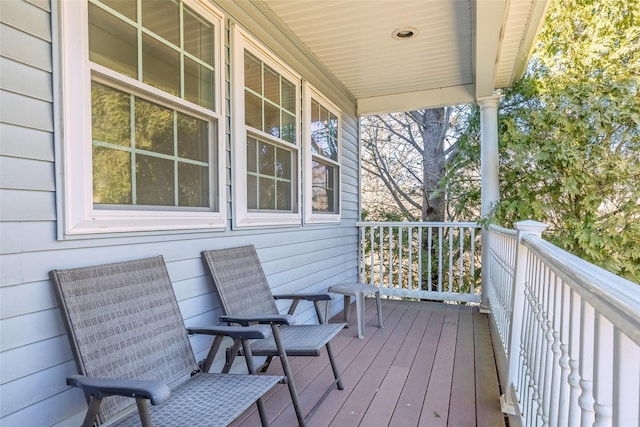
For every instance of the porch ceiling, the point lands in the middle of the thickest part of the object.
(463, 49)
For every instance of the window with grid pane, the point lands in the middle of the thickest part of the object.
(149, 150)
(324, 167)
(269, 108)
(142, 116)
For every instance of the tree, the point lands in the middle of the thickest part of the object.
(407, 154)
(405, 157)
(570, 134)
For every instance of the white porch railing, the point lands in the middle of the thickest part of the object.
(502, 261)
(422, 260)
(571, 332)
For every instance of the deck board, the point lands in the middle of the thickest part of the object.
(409, 408)
(360, 398)
(431, 365)
(462, 408)
(487, 387)
(435, 410)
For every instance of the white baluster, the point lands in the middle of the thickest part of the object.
(603, 387)
(420, 285)
(563, 398)
(390, 268)
(400, 258)
(604, 415)
(430, 249)
(556, 377)
(626, 376)
(439, 259)
(586, 399)
(546, 376)
(450, 259)
(574, 385)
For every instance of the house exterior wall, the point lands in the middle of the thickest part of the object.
(34, 353)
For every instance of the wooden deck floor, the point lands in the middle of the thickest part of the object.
(432, 365)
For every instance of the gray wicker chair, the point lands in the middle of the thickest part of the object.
(129, 341)
(246, 299)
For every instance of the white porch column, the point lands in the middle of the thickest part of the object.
(490, 189)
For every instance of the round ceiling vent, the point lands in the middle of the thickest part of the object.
(404, 33)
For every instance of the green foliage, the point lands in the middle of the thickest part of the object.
(461, 177)
(570, 134)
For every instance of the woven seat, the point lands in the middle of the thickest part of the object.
(299, 340)
(245, 297)
(206, 400)
(129, 340)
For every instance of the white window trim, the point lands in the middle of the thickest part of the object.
(74, 172)
(242, 217)
(311, 217)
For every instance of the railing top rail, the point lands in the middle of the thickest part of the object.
(502, 230)
(616, 298)
(417, 224)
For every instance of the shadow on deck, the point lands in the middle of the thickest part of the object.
(431, 365)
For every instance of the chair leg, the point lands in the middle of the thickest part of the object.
(360, 313)
(379, 303)
(289, 374)
(334, 367)
(251, 367)
(206, 366)
(92, 412)
(143, 411)
(322, 318)
(265, 365)
(232, 352)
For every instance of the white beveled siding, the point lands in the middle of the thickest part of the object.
(34, 353)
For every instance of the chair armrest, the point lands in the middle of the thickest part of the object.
(156, 391)
(315, 297)
(235, 332)
(276, 319)
(306, 296)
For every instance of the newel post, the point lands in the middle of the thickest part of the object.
(509, 399)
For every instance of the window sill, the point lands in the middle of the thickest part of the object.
(127, 222)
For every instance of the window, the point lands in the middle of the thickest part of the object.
(142, 116)
(322, 158)
(266, 143)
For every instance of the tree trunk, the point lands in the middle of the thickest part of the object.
(433, 128)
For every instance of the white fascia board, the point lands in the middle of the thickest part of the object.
(536, 19)
(490, 20)
(418, 100)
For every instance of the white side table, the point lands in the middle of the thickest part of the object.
(358, 290)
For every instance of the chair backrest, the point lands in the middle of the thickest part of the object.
(123, 321)
(240, 281)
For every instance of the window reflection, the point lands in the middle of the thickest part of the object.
(324, 132)
(154, 127)
(198, 37)
(270, 172)
(112, 42)
(323, 179)
(154, 181)
(111, 176)
(163, 18)
(164, 143)
(269, 96)
(117, 44)
(161, 65)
